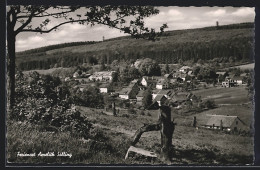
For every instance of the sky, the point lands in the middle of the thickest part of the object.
(177, 18)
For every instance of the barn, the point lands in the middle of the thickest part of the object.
(225, 122)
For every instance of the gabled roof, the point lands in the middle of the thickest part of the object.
(156, 91)
(220, 72)
(167, 75)
(237, 78)
(243, 74)
(140, 93)
(184, 67)
(161, 82)
(179, 74)
(159, 97)
(104, 86)
(190, 72)
(166, 92)
(125, 91)
(227, 121)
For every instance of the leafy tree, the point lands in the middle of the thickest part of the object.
(19, 19)
(149, 67)
(147, 98)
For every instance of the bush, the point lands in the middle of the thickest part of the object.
(44, 101)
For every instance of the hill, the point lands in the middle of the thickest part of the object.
(224, 43)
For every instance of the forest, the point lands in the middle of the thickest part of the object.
(228, 43)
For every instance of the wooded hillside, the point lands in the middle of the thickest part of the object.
(223, 43)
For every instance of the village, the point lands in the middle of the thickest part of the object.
(174, 89)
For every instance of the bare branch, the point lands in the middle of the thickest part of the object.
(25, 23)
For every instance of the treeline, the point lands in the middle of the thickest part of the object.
(42, 50)
(229, 50)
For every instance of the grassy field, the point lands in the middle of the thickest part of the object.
(246, 66)
(111, 136)
(48, 71)
(221, 95)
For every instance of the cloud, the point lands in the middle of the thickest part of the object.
(216, 13)
(31, 42)
(244, 12)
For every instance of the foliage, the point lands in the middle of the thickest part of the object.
(43, 100)
(149, 67)
(147, 98)
(198, 46)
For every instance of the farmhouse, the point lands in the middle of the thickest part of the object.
(102, 76)
(129, 92)
(225, 122)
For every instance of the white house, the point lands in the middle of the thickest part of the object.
(102, 76)
(104, 88)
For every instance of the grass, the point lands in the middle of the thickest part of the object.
(245, 66)
(111, 137)
(48, 71)
(221, 95)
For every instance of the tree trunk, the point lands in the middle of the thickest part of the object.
(166, 127)
(11, 66)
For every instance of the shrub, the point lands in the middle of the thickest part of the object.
(43, 101)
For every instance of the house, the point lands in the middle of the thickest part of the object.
(129, 92)
(82, 80)
(162, 84)
(225, 122)
(160, 99)
(150, 81)
(155, 93)
(104, 88)
(76, 74)
(229, 82)
(125, 93)
(238, 80)
(167, 93)
(102, 76)
(221, 73)
(67, 79)
(168, 76)
(180, 97)
(140, 96)
(185, 69)
(179, 75)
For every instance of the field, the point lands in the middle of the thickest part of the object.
(111, 136)
(47, 71)
(191, 146)
(224, 96)
(245, 66)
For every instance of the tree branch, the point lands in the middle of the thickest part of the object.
(25, 24)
